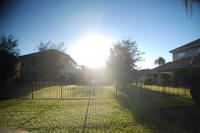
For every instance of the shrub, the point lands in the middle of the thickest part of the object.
(149, 82)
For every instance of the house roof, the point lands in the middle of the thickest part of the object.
(47, 51)
(192, 44)
(178, 64)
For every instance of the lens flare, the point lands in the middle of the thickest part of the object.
(92, 50)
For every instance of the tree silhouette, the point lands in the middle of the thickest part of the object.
(159, 61)
(8, 56)
(48, 45)
(190, 4)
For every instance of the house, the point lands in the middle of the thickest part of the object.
(182, 57)
(145, 74)
(46, 65)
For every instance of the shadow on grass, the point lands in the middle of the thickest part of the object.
(146, 107)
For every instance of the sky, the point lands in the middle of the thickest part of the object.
(157, 26)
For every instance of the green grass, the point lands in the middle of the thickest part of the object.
(75, 91)
(167, 89)
(134, 110)
(70, 92)
(99, 115)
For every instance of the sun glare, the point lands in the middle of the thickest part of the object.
(91, 50)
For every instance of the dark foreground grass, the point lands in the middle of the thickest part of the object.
(100, 115)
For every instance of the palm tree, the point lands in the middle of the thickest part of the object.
(190, 4)
(159, 61)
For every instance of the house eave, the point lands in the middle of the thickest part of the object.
(192, 44)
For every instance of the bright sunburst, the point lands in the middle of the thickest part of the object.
(92, 50)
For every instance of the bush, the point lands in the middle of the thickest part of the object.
(149, 82)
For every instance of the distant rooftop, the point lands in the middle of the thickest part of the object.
(46, 51)
(192, 44)
(178, 64)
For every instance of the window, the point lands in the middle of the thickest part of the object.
(180, 55)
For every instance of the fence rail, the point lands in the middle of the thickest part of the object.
(59, 90)
(161, 90)
(93, 90)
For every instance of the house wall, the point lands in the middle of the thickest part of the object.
(144, 76)
(34, 67)
(163, 77)
(71, 68)
(188, 53)
(25, 68)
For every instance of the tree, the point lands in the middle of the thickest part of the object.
(159, 61)
(47, 46)
(122, 60)
(190, 4)
(8, 56)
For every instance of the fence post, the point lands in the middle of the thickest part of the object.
(141, 89)
(33, 90)
(164, 90)
(137, 84)
(185, 91)
(89, 90)
(61, 90)
(116, 88)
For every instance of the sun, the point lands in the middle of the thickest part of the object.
(91, 50)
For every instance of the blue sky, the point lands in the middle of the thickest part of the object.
(157, 26)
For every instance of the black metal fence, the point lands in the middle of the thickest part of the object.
(93, 90)
(59, 90)
(159, 89)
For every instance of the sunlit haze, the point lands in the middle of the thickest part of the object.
(91, 50)
(157, 26)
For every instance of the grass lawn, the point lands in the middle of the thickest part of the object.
(167, 89)
(65, 92)
(137, 115)
(75, 91)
